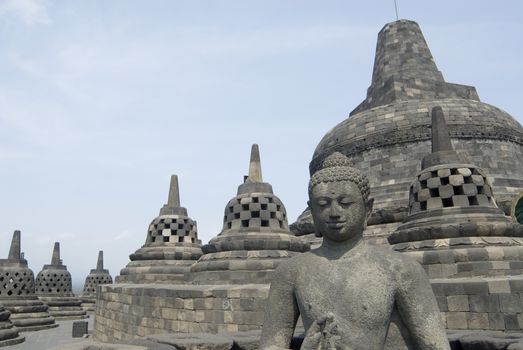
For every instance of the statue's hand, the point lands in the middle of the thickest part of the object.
(322, 335)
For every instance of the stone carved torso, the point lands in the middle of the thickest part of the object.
(359, 289)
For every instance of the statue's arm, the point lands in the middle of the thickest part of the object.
(281, 312)
(418, 308)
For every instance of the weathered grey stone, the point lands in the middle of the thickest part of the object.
(490, 340)
(255, 237)
(17, 291)
(389, 132)
(79, 329)
(96, 277)
(8, 333)
(369, 277)
(54, 288)
(170, 248)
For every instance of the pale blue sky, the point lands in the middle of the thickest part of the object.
(101, 101)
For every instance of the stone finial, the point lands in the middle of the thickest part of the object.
(174, 192)
(100, 262)
(442, 150)
(14, 251)
(173, 202)
(55, 260)
(254, 181)
(440, 132)
(255, 171)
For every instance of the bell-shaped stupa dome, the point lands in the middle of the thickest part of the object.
(54, 287)
(255, 235)
(17, 291)
(171, 246)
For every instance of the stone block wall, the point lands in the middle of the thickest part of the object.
(124, 311)
(481, 303)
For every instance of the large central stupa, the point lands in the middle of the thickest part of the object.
(389, 133)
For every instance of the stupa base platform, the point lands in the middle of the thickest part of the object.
(29, 314)
(152, 278)
(129, 310)
(11, 341)
(155, 271)
(88, 303)
(65, 308)
(9, 334)
(238, 266)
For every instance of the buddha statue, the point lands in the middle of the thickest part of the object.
(347, 290)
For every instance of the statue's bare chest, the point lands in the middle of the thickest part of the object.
(355, 290)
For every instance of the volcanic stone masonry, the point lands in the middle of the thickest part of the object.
(95, 278)
(171, 246)
(8, 333)
(388, 134)
(17, 292)
(472, 252)
(450, 219)
(255, 235)
(54, 288)
(229, 283)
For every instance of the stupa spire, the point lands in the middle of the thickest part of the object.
(100, 261)
(404, 69)
(440, 131)
(255, 171)
(442, 150)
(174, 192)
(14, 251)
(55, 260)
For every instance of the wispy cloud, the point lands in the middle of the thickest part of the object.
(30, 12)
(122, 235)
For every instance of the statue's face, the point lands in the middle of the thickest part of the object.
(338, 210)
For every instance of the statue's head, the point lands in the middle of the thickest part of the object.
(339, 199)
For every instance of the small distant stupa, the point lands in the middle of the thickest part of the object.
(17, 292)
(95, 278)
(171, 246)
(54, 287)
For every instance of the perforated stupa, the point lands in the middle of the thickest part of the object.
(467, 245)
(255, 235)
(17, 291)
(54, 287)
(95, 278)
(171, 246)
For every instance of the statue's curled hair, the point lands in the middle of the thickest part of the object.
(337, 167)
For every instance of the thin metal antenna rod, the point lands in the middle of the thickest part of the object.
(396, 8)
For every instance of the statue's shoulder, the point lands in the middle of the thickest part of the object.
(292, 266)
(397, 263)
(290, 269)
(299, 261)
